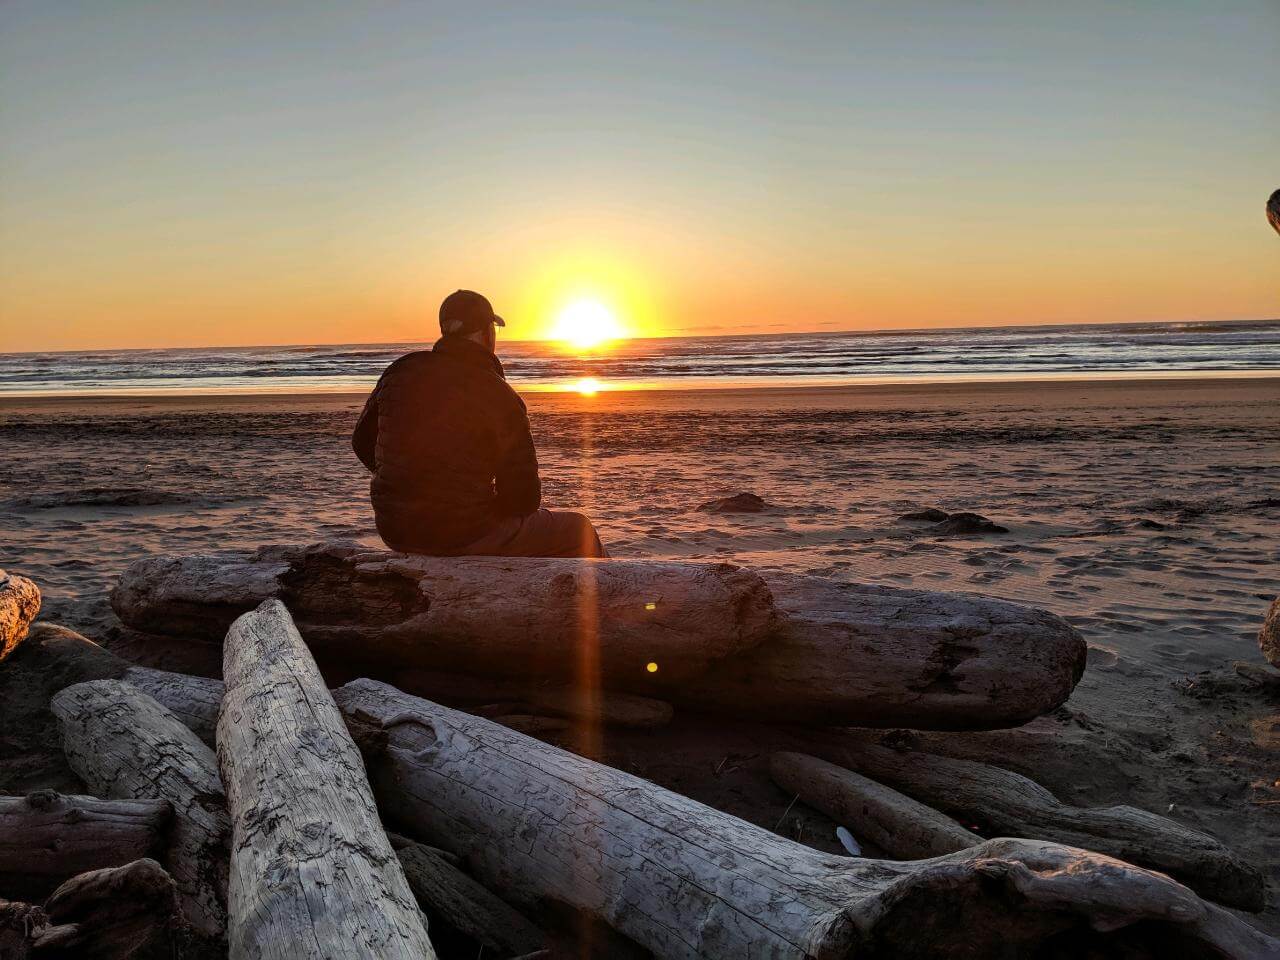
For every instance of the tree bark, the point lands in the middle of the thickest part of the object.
(47, 837)
(107, 914)
(312, 872)
(529, 618)
(1007, 803)
(896, 824)
(445, 892)
(125, 745)
(19, 604)
(706, 636)
(541, 825)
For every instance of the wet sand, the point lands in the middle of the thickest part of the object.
(1146, 512)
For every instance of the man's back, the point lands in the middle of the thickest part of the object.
(448, 443)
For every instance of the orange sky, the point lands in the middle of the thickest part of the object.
(186, 176)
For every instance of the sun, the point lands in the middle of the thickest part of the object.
(585, 324)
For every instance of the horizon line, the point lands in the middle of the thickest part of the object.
(878, 331)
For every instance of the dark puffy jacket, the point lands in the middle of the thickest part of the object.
(448, 442)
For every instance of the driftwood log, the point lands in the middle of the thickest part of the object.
(48, 837)
(108, 914)
(312, 872)
(19, 604)
(852, 654)
(708, 636)
(522, 617)
(1008, 803)
(903, 828)
(125, 745)
(447, 894)
(682, 880)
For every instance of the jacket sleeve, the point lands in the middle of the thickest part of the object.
(517, 487)
(364, 441)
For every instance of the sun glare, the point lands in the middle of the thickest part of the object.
(587, 386)
(585, 324)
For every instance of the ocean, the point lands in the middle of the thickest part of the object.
(986, 353)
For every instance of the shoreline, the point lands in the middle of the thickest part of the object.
(18, 403)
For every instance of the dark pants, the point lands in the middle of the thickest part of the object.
(544, 533)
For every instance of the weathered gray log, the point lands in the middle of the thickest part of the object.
(903, 828)
(125, 745)
(706, 636)
(108, 914)
(312, 872)
(851, 654)
(1007, 803)
(48, 837)
(19, 604)
(513, 617)
(682, 880)
(1269, 635)
(446, 892)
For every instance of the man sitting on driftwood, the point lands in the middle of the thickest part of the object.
(448, 442)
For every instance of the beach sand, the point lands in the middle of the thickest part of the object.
(1145, 512)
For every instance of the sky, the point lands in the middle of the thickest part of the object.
(189, 174)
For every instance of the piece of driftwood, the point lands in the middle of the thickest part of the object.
(19, 604)
(1269, 635)
(48, 837)
(108, 914)
(682, 880)
(707, 636)
(1007, 803)
(312, 872)
(514, 617)
(851, 654)
(446, 893)
(125, 745)
(903, 828)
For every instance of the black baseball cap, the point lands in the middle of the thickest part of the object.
(465, 311)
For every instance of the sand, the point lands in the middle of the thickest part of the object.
(1145, 512)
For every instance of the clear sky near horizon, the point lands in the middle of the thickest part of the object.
(240, 173)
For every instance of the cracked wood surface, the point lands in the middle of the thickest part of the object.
(1009, 803)
(903, 828)
(721, 640)
(19, 604)
(542, 825)
(47, 837)
(854, 654)
(512, 617)
(123, 744)
(312, 872)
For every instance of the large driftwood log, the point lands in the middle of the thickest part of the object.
(47, 837)
(903, 828)
(19, 604)
(685, 881)
(707, 636)
(107, 914)
(124, 744)
(852, 654)
(445, 892)
(1007, 803)
(312, 872)
(521, 617)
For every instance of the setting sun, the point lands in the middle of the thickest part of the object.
(585, 324)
